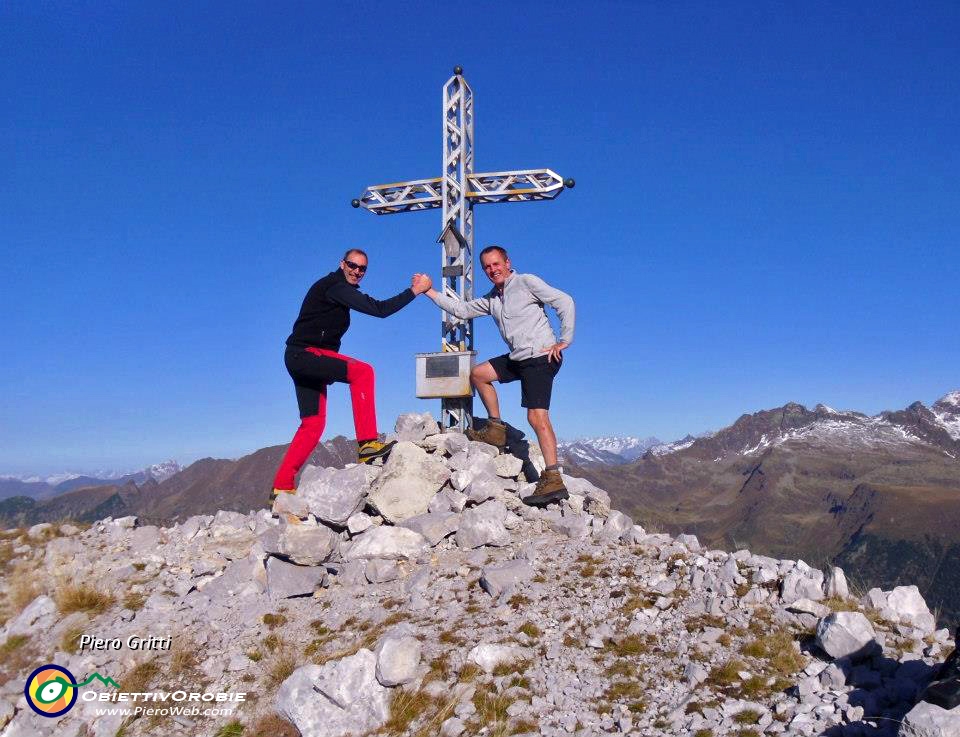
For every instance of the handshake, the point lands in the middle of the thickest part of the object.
(421, 283)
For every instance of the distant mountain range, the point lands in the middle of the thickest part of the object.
(42, 488)
(879, 495)
(202, 487)
(611, 450)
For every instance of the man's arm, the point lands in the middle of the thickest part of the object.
(459, 308)
(347, 296)
(560, 301)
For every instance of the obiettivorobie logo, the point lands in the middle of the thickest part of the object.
(51, 690)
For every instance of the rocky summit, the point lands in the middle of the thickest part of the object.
(423, 597)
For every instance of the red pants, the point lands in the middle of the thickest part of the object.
(312, 370)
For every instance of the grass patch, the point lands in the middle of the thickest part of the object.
(283, 664)
(777, 651)
(631, 690)
(518, 601)
(274, 620)
(450, 637)
(530, 630)
(230, 729)
(141, 678)
(273, 642)
(255, 655)
(747, 716)
(82, 598)
(838, 604)
(439, 669)
(396, 618)
(134, 601)
(13, 643)
(70, 639)
(183, 659)
(629, 646)
(468, 673)
(621, 668)
(514, 666)
(273, 725)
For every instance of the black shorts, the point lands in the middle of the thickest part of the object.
(536, 378)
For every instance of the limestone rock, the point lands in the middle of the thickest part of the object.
(488, 655)
(336, 699)
(286, 579)
(847, 635)
(836, 585)
(409, 480)
(307, 544)
(483, 525)
(415, 427)
(909, 607)
(929, 720)
(390, 543)
(397, 660)
(334, 494)
(434, 526)
(501, 578)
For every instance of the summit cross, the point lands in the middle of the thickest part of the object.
(456, 192)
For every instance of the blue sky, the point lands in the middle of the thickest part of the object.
(767, 208)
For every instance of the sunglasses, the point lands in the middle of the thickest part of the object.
(362, 268)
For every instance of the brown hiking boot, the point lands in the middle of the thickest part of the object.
(493, 433)
(549, 489)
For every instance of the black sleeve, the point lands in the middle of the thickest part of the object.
(347, 296)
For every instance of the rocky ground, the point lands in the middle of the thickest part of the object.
(424, 597)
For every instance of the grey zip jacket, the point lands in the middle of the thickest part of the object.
(519, 313)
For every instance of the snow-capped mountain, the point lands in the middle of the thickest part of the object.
(610, 450)
(45, 486)
(936, 427)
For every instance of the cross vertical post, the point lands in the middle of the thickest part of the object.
(457, 264)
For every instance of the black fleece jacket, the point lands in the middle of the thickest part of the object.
(325, 313)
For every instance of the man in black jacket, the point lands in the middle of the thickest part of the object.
(313, 362)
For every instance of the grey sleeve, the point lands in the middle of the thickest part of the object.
(560, 301)
(461, 309)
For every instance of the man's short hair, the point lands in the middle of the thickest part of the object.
(346, 256)
(490, 249)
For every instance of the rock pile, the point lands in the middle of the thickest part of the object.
(424, 597)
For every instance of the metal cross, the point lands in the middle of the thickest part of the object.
(456, 192)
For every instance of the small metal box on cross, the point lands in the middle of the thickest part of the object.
(456, 192)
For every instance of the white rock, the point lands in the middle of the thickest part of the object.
(507, 466)
(410, 479)
(381, 571)
(930, 720)
(359, 522)
(501, 578)
(336, 699)
(397, 660)
(805, 606)
(836, 585)
(36, 617)
(307, 544)
(286, 579)
(392, 543)
(415, 427)
(334, 494)
(846, 634)
(488, 655)
(909, 607)
(483, 525)
(433, 526)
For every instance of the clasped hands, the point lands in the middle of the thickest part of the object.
(421, 283)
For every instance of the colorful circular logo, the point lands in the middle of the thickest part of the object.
(51, 690)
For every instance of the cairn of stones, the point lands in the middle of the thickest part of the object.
(423, 597)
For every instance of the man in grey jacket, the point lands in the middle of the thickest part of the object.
(516, 304)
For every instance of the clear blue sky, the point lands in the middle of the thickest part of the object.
(767, 208)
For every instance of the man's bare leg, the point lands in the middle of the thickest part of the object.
(539, 420)
(482, 378)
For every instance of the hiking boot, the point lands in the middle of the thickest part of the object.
(370, 450)
(549, 489)
(493, 433)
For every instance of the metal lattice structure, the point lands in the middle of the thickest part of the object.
(456, 192)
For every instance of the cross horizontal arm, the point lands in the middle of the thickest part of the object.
(501, 186)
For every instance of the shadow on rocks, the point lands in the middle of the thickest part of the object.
(886, 690)
(518, 446)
